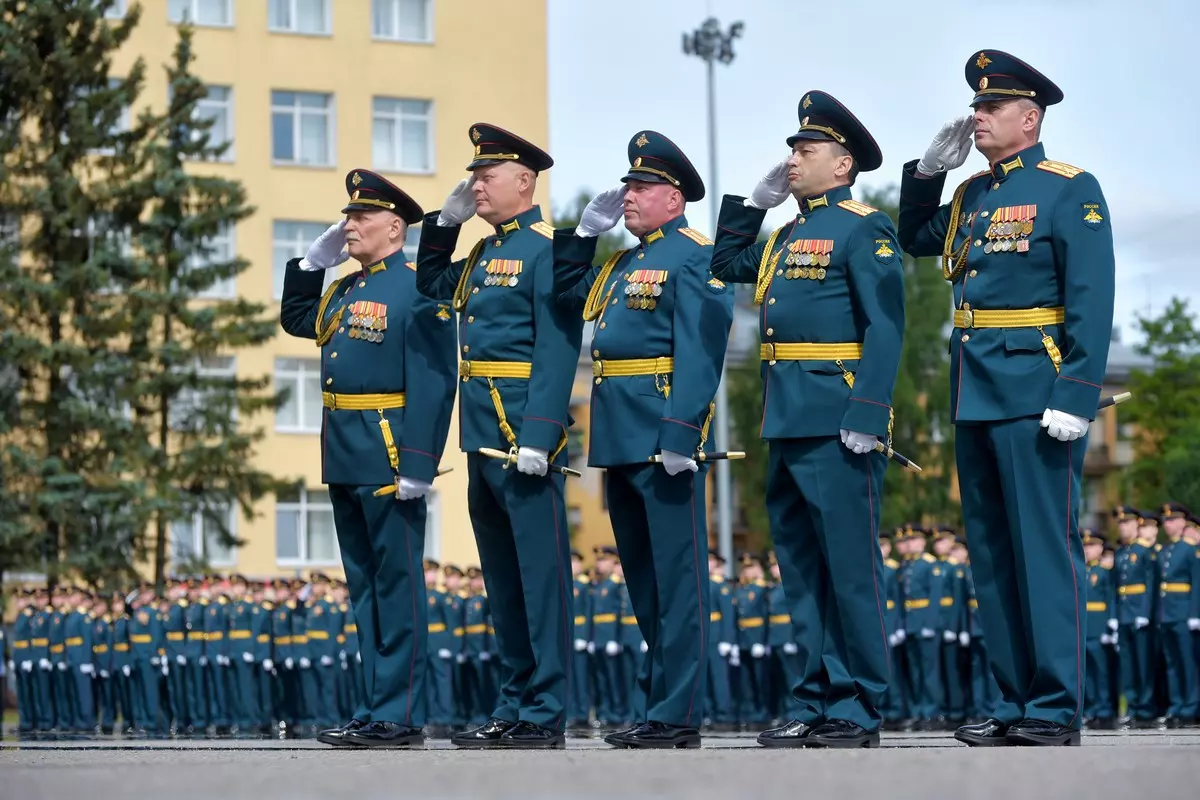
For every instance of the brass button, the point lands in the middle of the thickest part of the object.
(475, 290)
(770, 363)
(983, 213)
(333, 355)
(974, 272)
(603, 325)
(595, 354)
(466, 348)
(771, 302)
(328, 381)
(362, 284)
(598, 380)
(614, 302)
(471, 318)
(770, 331)
(641, 255)
(966, 337)
(497, 243)
(482, 263)
(778, 272)
(979, 242)
(342, 330)
(996, 185)
(800, 221)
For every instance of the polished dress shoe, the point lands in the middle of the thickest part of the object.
(841, 733)
(385, 734)
(1033, 732)
(617, 738)
(660, 735)
(792, 734)
(486, 735)
(990, 733)
(337, 736)
(527, 735)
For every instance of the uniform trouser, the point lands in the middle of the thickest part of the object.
(1020, 498)
(924, 680)
(199, 701)
(440, 689)
(785, 671)
(1137, 674)
(26, 708)
(1098, 703)
(105, 691)
(611, 691)
(458, 690)
(62, 690)
(581, 686)
(326, 711)
(84, 699)
(382, 540)
(144, 690)
(753, 685)
(214, 690)
(520, 526)
(634, 670)
(891, 706)
(268, 686)
(244, 705)
(719, 707)
(985, 693)
(662, 537)
(823, 501)
(952, 697)
(43, 687)
(1179, 654)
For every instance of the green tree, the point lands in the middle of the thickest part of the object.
(744, 396)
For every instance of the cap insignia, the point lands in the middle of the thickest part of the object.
(642, 141)
(982, 61)
(476, 135)
(357, 179)
(637, 162)
(983, 82)
(807, 101)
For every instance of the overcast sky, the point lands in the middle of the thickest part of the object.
(617, 66)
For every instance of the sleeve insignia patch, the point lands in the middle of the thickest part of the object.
(862, 209)
(443, 312)
(696, 236)
(1093, 214)
(544, 228)
(716, 285)
(884, 252)
(1059, 168)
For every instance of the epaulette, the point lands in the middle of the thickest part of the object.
(343, 607)
(182, 603)
(891, 562)
(853, 206)
(1059, 168)
(544, 228)
(717, 578)
(696, 236)
(928, 557)
(411, 265)
(222, 599)
(584, 579)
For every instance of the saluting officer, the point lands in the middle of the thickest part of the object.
(388, 375)
(519, 352)
(1027, 244)
(831, 288)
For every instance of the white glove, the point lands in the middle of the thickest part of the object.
(1063, 426)
(26, 666)
(859, 442)
(901, 636)
(675, 463)
(328, 251)
(248, 658)
(443, 653)
(964, 639)
(460, 204)
(204, 661)
(268, 665)
(224, 661)
(1193, 625)
(580, 645)
(166, 668)
(612, 648)
(62, 666)
(771, 190)
(894, 639)
(358, 656)
(1114, 638)
(44, 664)
(126, 671)
(461, 658)
(1112, 624)
(927, 633)
(603, 212)
(485, 656)
(326, 661)
(105, 674)
(724, 649)
(305, 663)
(736, 652)
(735, 660)
(757, 651)
(1105, 639)
(410, 489)
(790, 648)
(532, 460)
(87, 669)
(181, 660)
(591, 648)
(644, 647)
(1140, 622)
(342, 655)
(949, 636)
(950, 148)
(288, 663)
(154, 662)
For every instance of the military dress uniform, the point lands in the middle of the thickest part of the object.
(831, 291)
(722, 636)
(1177, 604)
(921, 583)
(519, 352)
(1028, 248)
(753, 678)
(1133, 575)
(1101, 606)
(891, 707)
(387, 371)
(581, 687)
(24, 665)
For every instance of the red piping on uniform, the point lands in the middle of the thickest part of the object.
(1077, 380)
(412, 665)
(874, 579)
(1075, 585)
(562, 592)
(701, 663)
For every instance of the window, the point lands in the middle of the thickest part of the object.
(290, 239)
(412, 241)
(304, 531)
(301, 411)
(218, 106)
(302, 128)
(218, 250)
(401, 135)
(188, 407)
(120, 125)
(199, 538)
(433, 525)
(402, 20)
(116, 10)
(300, 16)
(201, 12)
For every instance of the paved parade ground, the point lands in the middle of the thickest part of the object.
(1134, 764)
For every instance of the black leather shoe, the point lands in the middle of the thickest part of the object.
(617, 738)
(1033, 732)
(990, 733)
(486, 735)
(792, 734)
(660, 735)
(527, 735)
(385, 734)
(841, 733)
(337, 736)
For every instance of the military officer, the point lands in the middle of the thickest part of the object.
(1027, 244)
(23, 663)
(581, 691)
(781, 650)
(480, 694)
(891, 708)
(1178, 615)
(656, 358)
(1133, 574)
(831, 288)
(753, 680)
(1101, 605)
(951, 625)
(519, 352)
(921, 578)
(388, 375)
(721, 642)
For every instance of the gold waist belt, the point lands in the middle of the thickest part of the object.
(1097, 605)
(362, 402)
(494, 369)
(1009, 317)
(633, 366)
(809, 351)
(1133, 588)
(1175, 588)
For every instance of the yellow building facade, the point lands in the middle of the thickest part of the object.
(306, 90)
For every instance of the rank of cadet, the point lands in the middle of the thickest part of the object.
(368, 320)
(1010, 229)
(807, 259)
(502, 272)
(642, 287)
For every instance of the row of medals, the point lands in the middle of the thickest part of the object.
(641, 295)
(798, 264)
(369, 329)
(500, 280)
(1005, 237)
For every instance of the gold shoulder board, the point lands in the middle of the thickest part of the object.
(696, 236)
(544, 228)
(1059, 168)
(862, 209)
(411, 265)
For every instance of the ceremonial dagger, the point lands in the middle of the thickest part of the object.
(510, 458)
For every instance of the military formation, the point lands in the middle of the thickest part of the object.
(992, 630)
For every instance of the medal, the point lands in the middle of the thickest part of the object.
(821, 274)
(656, 290)
(512, 281)
(1023, 246)
(987, 248)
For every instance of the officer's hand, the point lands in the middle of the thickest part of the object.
(859, 442)
(675, 463)
(126, 671)
(790, 648)
(328, 251)
(1112, 624)
(950, 148)
(166, 668)
(927, 633)
(591, 648)
(735, 660)
(154, 662)
(460, 204)
(444, 653)
(949, 636)
(1194, 624)
(901, 635)
(964, 639)
(771, 190)
(603, 212)
(62, 666)
(643, 646)
(104, 674)
(26, 666)
(1114, 638)
(1140, 622)
(485, 656)
(288, 663)
(580, 645)
(248, 658)
(44, 664)
(305, 663)
(1063, 426)
(724, 649)
(461, 658)
(532, 460)
(326, 661)
(181, 660)
(268, 665)
(612, 648)
(757, 651)
(410, 489)
(358, 656)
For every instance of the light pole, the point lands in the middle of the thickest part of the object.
(712, 44)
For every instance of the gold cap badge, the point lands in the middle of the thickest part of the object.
(637, 162)
(983, 82)
(475, 134)
(357, 179)
(807, 101)
(642, 141)
(804, 122)
(982, 61)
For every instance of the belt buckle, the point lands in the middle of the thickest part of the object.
(597, 369)
(464, 369)
(770, 346)
(968, 317)
(332, 404)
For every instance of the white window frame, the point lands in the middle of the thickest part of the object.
(301, 507)
(200, 541)
(212, 367)
(297, 111)
(296, 380)
(228, 105)
(430, 25)
(117, 10)
(433, 525)
(291, 4)
(412, 242)
(225, 288)
(397, 119)
(296, 247)
(191, 14)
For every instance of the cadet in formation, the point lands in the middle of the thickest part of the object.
(388, 367)
(519, 350)
(1028, 247)
(831, 289)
